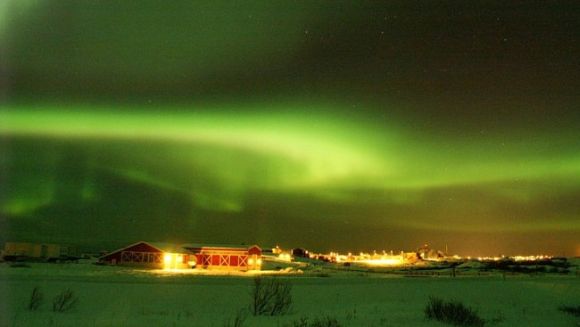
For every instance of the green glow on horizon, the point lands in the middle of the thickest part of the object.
(553, 224)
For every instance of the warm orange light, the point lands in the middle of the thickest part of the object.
(169, 260)
(384, 262)
(285, 257)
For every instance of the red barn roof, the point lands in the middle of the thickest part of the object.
(143, 246)
(195, 247)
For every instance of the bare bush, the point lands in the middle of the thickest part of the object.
(573, 310)
(316, 322)
(452, 312)
(65, 301)
(36, 298)
(238, 320)
(271, 297)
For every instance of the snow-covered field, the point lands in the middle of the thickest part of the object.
(114, 296)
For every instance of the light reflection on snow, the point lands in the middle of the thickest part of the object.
(207, 272)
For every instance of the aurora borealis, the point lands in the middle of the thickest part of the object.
(332, 126)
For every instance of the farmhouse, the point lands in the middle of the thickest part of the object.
(201, 256)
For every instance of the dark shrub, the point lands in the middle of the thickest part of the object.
(35, 299)
(270, 297)
(575, 311)
(238, 320)
(452, 312)
(317, 322)
(65, 301)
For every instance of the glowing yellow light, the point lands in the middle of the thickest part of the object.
(384, 262)
(285, 257)
(259, 261)
(167, 258)
(251, 261)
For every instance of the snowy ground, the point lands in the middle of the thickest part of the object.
(114, 296)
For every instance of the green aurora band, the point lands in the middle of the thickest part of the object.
(330, 157)
(332, 151)
(343, 125)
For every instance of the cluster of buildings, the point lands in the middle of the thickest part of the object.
(147, 254)
(206, 256)
(374, 259)
(224, 257)
(423, 253)
(15, 251)
(517, 258)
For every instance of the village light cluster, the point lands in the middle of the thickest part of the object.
(422, 254)
(384, 262)
(515, 258)
(374, 259)
(182, 257)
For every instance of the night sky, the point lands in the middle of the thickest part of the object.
(328, 125)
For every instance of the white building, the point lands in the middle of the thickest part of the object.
(38, 250)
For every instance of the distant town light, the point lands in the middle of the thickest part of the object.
(285, 256)
(384, 262)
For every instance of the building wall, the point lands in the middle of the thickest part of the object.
(229, 259)
(33, 250)
(254, 250)
(222, 261)
(11, 248)
(140, 254)
(144, 255)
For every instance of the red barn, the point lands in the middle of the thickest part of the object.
(154, 255)
(162, 255)
(226, 256)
